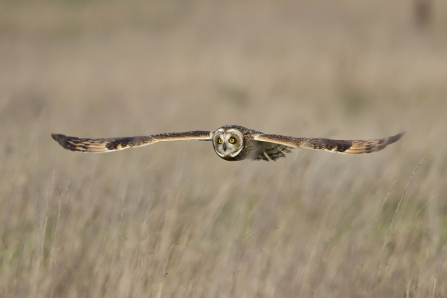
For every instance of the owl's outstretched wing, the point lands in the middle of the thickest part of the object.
(114, 144)
(341, 146)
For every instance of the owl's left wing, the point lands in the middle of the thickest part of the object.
(341, 146)
(114, 144)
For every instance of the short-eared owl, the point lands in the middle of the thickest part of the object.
(231, 142)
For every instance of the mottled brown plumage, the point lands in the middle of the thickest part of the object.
(341, 146)
(232, 143)
(114, 144)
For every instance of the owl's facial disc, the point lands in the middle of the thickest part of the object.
(228, 143)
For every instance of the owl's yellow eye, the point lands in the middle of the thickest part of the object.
(220, 141)
(232, 140)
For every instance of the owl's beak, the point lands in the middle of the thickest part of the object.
(224, 147)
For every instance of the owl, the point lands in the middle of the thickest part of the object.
(231, 142)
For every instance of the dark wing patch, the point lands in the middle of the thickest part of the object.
(128, 142)
(341, 146)
(114, 144)
(326, 144)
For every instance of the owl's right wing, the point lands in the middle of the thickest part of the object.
(341, 146)
(114, 144)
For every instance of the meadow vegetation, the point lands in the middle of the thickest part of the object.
(175, 220)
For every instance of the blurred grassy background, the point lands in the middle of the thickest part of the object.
(174, 219)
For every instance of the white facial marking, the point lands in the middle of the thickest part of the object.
(230, 148)
(234, 131)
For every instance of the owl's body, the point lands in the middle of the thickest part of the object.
(250, 148)
(232, 143)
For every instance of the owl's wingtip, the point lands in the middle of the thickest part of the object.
(58, 137)
(397, 137)
(62, 140)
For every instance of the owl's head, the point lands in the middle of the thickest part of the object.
(228, 143)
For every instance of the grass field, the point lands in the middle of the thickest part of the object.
(175, 220)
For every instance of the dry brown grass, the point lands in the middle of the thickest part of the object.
(176, 220)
